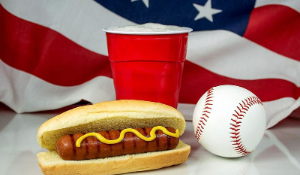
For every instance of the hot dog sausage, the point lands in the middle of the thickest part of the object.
(92, 148)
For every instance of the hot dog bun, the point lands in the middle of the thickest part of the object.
(105, 116)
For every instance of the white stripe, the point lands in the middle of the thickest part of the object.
(276, 110)
(28, 93)
(228, 54)
(294, 4)
(279, 109)
(80, 21)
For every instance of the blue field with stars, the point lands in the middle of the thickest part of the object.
(200, 15)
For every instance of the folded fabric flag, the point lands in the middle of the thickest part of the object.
(53, 53)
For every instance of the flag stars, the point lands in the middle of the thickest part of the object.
(146, 2)
(206, 11)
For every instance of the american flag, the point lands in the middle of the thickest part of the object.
(53, 53)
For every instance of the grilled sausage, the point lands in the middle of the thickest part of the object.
(92, 148)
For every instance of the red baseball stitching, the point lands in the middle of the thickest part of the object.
(242, 108)
(205, 113)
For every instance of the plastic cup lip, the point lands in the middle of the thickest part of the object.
(109, 30)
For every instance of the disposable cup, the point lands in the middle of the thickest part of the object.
(147, 65)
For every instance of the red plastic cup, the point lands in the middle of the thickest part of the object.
(147, 65)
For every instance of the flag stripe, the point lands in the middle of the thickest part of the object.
(80, 21)
(285, 40)
(279, 109)
(230, 55)
(197, 80)
(47, 54)
(29, 93)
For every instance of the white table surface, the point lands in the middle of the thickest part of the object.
(278, 153)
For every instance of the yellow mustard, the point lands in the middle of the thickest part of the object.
(123, 132)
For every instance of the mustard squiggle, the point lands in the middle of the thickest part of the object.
(122, 135)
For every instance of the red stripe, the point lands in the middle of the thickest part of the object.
(277, 28)
(197, 80)
(47, 54)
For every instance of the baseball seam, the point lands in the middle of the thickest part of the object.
(205, 113)
(236, 121)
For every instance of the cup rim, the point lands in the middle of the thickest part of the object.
(109, 30)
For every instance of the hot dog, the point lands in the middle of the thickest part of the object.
(111, 138)
(92, 148)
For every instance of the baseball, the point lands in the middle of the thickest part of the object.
(229, 121)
